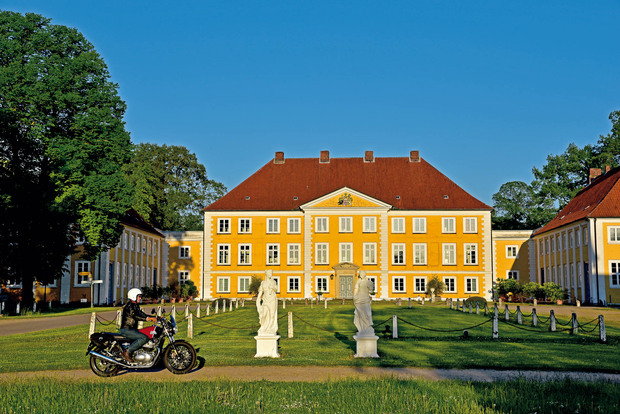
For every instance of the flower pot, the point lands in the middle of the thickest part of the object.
(560, 302)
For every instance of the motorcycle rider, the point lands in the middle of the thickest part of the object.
(129, 322)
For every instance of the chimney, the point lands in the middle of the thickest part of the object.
(324, 157)
(279, 159)
(414, 156)
(594, 172)
(369, 156)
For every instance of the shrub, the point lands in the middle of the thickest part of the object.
(255, 285)
(554, 292)
(534, 290)
(437, 284)
(188, 289)
(505, 286)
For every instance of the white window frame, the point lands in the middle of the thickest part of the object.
(273, 254)
(322, 280)
(454, 286)
(132, 242)
(420, 256)
(82, 266)
(370, 253)
(448, 225)
(321, 224)
(321, 253)
(468, 285)
(244, 254)
(345, 224)
(242, 227)
(417, 279)
(571, 240)
(223, 226)
(577, 237)
(419, 225)
(183, 276)
(130, 276)
(273, 225)
(346, 252)
(512, 251)
(223, 284)
(293, 253)
(184, 252)
(293, 289)
(293, 225)
(124, 274)
(125, 241)
(117, 274)
(512, 274)
(467, 249)
(398, 225)
(399, 284)
(243, 284)
(370, 224)
(373, 280)
(399, 254)
(613, 234)
(223, 248)
(277, 280)
(448, 254)
(470, 225)
(614, 273)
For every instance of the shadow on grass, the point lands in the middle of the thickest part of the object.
(349, 342)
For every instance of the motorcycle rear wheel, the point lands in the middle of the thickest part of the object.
(103, 368)
(180, 357)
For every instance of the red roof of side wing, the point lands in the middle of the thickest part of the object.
(399, 182)
(599, 199)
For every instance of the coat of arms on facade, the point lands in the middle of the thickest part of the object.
(345, 200)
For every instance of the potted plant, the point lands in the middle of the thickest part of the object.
(555, 293)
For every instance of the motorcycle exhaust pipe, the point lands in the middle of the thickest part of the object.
(108, 359)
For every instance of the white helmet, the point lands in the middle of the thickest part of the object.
(133, 294)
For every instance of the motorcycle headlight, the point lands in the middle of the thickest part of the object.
(175, 329)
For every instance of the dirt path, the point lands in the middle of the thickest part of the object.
(310, 374)
(11, 326)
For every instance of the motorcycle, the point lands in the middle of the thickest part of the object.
(106, 350)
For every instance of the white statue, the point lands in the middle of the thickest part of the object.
(361, 300)
(267, 305)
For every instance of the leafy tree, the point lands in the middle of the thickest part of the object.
(517, 207)
(534, 290)
(554, 292)
(56, 88)
(255, 285)
(437, 284)
(171, 186)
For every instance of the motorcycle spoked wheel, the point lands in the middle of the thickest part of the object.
(180, 357)
(103, 368)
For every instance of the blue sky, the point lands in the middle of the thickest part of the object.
(485, 90)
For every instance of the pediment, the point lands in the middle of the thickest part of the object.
(346, 198)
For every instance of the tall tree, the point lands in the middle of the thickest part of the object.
(57, 89)
(170, 186)
(517, 207)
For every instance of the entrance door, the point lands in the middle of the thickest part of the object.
(346, 287)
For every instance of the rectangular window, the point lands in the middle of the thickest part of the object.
(419, 285)
(471, 254)
(398, 224)
(585, 238)
(321, 284)
(184, 252)
(125, 244)
(614, 234)
(571, 240)
(346, 252)
(419, 253)
(322, 225)
(83, 267)
(130, 276)
(398, 284)
(294, 253)
(118, 274)
(155, 251)
(322, 253)
(132, 243)
(511, 252)
(450, 282)
(552, 244)
(470, 225)
(124, 274)
(243, 284)
(143, 276)
(577, 237)
(370, 225)
(547, 246)
(398, 253)
(223, 254)
(245, 254)
(419, 224)
(564, 244)
(273, 225)
(449, 253)
(223, 284)
(294, 225)
(370, 253)
(223, 226)
(448, 225)
(512, 274)
(183, 276)
(471, 285)
(614, 273)
(273, 254)
(294, 284)
(245, 226)
(346, 225)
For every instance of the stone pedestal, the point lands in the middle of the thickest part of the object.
(366, 346)
(267, 346)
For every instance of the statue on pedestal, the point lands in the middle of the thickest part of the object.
(361, 300)
(267, 305)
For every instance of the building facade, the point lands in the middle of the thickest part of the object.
(514, 255)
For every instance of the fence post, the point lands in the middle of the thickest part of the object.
(236, 303)
(159, 310)
(283, 303)
(395, 326)
(575, 324)
(223, 305)
(495, 323)
(409, 303)
(477, 308)
(552, 320)
(217, 306)
(470, 307)
(534, 317)
(601, 329)
(186, 310)
(118, 318)
(486, 309)
(325, 303)
(519, 316)
(190, 326)
(506, 313)
(208, 309)
(174, 311)
(198, 310)
(290, 324)
(463, 308)
(231, 305)
(93, 322)
(451, 303)
(243, 302)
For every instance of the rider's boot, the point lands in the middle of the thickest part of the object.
(127, 356)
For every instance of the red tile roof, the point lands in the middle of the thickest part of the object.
(285, 186)
(599, 199)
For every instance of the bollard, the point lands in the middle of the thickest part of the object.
(311, 304)
(290, 324)
(118, 318)
(236, 303)
(422, 302)
(451, 304)
(243, 302)
(535, 302)
(223, 305)
(552, 320)
(17, 308)
(198, 310)
(495, 323)
(283, 303)
(158, 313)
(470, 307)
(395, 327)
(578, 303)
(174, 311)
(506, 313)
(575, 324)
(217, 307)
(398, 302)
(601, 329)
(409, 303)
(534, 317)
(477, 308)
(93, 322)
(519, 319)
(231, 305)
(486, 309)
(325, 303)
(186, 310)
(208, 309)
(190, 326)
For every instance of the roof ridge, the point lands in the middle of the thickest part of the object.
(607, 194)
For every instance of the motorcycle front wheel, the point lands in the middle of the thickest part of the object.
(180, 357)
(103, 368)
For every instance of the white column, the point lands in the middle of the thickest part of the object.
(384, 255)
(307, 257)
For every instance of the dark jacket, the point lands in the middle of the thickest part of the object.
(131, 315)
